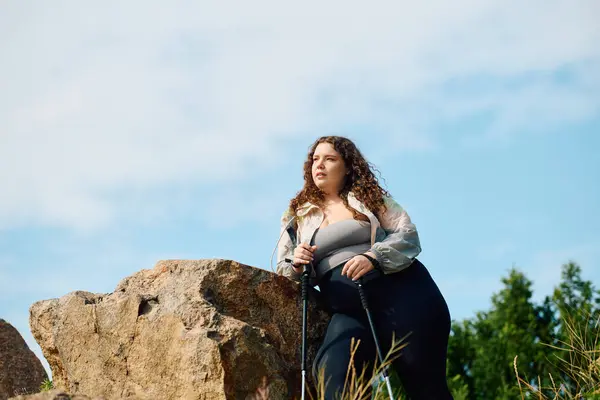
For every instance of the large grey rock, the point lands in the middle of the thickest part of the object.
(208, 329)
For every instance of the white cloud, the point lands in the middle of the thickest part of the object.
(132, 96)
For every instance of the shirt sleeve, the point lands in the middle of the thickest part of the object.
(401, 244)
(285, 249)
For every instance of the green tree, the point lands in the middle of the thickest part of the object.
(557, 342)
(513, 327)
(461, 354)
(578, 305)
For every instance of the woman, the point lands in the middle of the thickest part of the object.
(347, 227)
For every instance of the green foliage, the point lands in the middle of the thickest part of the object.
(519, 349)
(458, 387)
(46, 385)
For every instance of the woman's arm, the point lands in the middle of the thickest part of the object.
(401, 245)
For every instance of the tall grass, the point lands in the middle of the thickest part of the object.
(577, 359)
(357, 385)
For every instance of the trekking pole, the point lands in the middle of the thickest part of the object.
(365, 304)
(304, 279)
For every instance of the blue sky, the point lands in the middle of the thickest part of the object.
(132, 134)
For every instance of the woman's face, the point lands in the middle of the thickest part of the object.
(328, 169)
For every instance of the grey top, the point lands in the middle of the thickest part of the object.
(338, 242)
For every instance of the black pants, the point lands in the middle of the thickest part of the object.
(405, 303)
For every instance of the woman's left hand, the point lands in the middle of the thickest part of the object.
(356, 267)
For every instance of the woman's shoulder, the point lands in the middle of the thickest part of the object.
(390, 204)
(288, 214)
(389, 199)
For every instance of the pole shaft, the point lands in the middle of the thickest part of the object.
(304, 331)
(305, 276)
(365, 304)
(375, 338)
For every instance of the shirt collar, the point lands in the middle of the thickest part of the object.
(307, 206)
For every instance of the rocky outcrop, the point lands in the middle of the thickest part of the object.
(54, 394)
(208, 329)
(20, 370)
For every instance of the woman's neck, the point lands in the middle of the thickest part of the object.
(331, 199)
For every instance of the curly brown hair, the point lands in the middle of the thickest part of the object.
(361, 180)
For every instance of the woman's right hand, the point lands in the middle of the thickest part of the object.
(303, 254)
